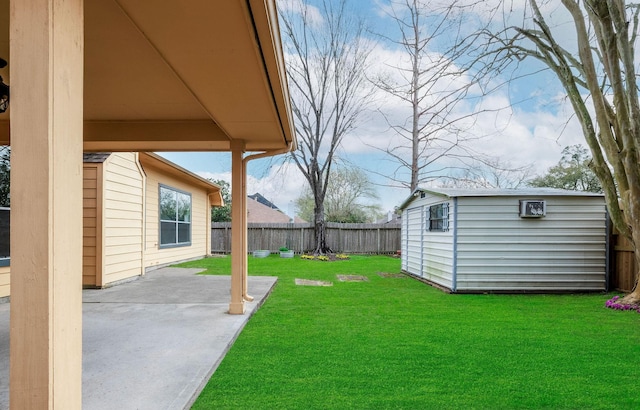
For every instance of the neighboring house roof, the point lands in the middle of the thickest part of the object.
(390, 218)
(95, 157)
(461, 192)
(260, 213)
(264, 201)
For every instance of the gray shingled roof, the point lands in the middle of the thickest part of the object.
(95, 157)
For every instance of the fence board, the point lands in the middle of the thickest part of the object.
(624, 264)
(349, 238)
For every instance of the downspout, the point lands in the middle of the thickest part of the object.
(245, 161)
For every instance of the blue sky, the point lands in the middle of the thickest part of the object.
(532, 132)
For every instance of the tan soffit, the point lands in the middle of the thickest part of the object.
(192, 75)
(151, 160)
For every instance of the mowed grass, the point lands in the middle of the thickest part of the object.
(396, 343)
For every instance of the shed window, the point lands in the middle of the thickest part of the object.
(175, 217)
(438, 217)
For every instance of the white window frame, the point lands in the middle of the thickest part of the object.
(438, 217)
(181, 220)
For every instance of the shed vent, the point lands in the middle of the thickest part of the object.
(532, 208)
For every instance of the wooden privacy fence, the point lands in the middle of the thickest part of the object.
(348, 238)
(622, 263)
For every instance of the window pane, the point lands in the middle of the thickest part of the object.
(184, 207)
(184, 233)
(5, 226)
(167, 204)
(167, 233)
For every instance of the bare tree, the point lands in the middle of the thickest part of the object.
(326, 59)
(431, 85)
(489, 173)
(598, 72)
(347, 189)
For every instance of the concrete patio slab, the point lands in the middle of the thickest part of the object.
(154, 342)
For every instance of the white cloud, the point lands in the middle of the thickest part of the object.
(282, 184)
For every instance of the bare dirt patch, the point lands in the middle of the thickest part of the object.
(309, 282)
(352, 278)
(391, 275)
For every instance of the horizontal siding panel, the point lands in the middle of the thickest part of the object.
(134, 226)
(89, 270)
(89, 203)
(123, 201)
(90, 184)
(123, 271)
(121, 240)
(120, 232)
(116, 259)
(124, 250)
(89, 232)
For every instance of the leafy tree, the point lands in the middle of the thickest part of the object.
(5, 176)
(597, 68)
(326, 60)
(572, 172)
(222, 213)
(346, 189)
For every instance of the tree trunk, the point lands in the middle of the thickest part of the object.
(633, 298)
(320, 231)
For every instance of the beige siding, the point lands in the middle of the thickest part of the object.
(4, 281)
(563, 251)
(91, 265)
(154, 255)
(123, 216)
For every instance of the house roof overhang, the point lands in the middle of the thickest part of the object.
(151, 160)
(195, 75)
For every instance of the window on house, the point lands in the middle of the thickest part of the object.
(175, 217)
(438, 216)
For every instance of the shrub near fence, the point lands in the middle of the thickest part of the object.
(348, 238)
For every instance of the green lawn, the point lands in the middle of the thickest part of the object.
(398, 343)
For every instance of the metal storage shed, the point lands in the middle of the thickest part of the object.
(506, 240)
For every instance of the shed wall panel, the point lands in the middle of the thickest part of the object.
(498, 250)
(428, 254)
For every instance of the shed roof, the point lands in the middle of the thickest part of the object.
(496, 192)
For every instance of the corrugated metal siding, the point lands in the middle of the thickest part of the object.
(497, 250)
(427, 254)
(412, 255)
(404, 242)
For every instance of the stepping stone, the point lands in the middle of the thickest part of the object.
(391, 275)
(309, 282)
(352, 278)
